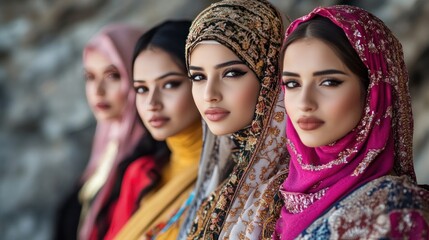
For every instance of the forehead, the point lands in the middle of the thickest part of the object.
(95, 59)
(153, 63)
(207, 53)
(311, 52)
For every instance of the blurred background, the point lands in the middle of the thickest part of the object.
(46, 126)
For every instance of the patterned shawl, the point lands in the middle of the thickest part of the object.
(116, 42)
(246, 203)
(381, 143)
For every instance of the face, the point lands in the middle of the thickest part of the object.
(323, 98)
(224, 88)
(103, 87)
(164, 100)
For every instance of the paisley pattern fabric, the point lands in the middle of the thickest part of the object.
(380, 145)
(368, 213)
(246, 204)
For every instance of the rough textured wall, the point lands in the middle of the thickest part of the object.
(46, 126)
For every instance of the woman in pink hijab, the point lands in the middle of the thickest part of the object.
(119, 138)
(349, 132)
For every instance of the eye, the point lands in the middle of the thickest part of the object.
(234, 73)
(196, 77)
(113, 75)
(88, 77)
(331, 82)
(290, 84)
(141, 89)
(172, 84)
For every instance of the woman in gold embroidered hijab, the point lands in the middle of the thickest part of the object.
(246, 204)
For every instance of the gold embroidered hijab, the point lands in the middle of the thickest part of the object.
(246, 203)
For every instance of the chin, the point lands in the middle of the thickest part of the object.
(219, 131)
(159, 137)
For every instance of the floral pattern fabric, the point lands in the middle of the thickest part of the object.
(246, 204)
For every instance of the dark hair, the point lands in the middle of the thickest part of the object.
(169, 36)
(325, 30)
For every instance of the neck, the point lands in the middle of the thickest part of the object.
(186, 146)
(115, 130)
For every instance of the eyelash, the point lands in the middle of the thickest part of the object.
(143, 89)
(331, 83)
(235, 73)
(109, 75)
(113, 75)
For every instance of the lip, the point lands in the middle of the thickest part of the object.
(102, 106)
(158, 121)
(216, 114)
(309, 123)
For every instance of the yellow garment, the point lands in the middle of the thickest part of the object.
(94, 183)
(179, 177)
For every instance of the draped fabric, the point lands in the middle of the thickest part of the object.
(246, 204)
(381, 143)
(178, 179)
(213, 169)
(116, 42)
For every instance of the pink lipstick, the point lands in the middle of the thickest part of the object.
(216, 114)
(309, 123)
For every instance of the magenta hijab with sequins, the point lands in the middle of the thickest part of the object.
(381, 143)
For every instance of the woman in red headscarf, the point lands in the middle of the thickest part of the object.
(349, 132)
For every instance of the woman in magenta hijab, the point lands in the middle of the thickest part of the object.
(349, 132)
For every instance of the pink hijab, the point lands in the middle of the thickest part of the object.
(117, 43)
(381, 143)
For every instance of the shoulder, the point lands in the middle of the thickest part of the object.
(141, 165)
(385, 207)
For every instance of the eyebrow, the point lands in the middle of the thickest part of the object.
(111, 67)
(329, 71)
(220, 65)
(164, 76)
(318, 73)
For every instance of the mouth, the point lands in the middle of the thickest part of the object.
(309, 123)
(216, 114)
(102, 106)
(158, 122)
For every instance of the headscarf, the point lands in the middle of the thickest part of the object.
(116, 42)
(381, 143)
(245, 203)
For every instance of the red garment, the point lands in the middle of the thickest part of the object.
(136, 179)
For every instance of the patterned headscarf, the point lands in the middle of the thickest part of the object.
(381, 143)
(116, 42)
(246, 204)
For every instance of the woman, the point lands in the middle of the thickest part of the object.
(119, 138)
(349, 132)
(164, 102)
(236, 91)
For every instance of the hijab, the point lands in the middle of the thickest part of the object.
(245, 203)
(116, 42)
(381, 143)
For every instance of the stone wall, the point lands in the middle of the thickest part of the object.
(46, 126)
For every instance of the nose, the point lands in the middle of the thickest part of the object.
(100, 88)
(307, 99)
(154, 101)
(212, 90)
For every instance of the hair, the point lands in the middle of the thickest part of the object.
(325, 30)
(169, 36)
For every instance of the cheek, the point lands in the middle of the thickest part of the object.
(183, 104)
(141, 106)
(348, 110)
(197, 96)
(288, 101)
